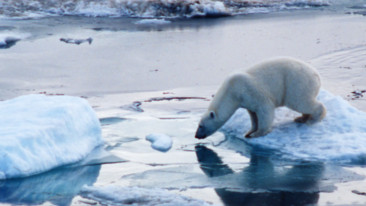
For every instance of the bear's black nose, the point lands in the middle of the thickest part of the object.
(200, 133)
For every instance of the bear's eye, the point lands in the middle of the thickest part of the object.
(212, 115)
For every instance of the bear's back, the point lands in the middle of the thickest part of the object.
(284, 77)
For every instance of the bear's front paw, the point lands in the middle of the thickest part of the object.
(249, 134)
(256, 134)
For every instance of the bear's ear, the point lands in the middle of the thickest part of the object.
(212, 115)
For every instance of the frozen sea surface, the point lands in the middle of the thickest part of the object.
(126, 60)
(339, 138)
(117, 195)
(41, 132)
(239, 170)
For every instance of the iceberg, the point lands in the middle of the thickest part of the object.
(339, 138)
(39, 133)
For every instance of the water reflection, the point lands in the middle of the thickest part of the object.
(262, 183)
(57, 186)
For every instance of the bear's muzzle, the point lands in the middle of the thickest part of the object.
(201, 132)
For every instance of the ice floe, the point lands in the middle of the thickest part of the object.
(339, 138)
(41, 132)
(9, 39)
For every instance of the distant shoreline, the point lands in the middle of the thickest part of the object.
(129, 57)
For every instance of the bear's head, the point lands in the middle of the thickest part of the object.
(208, 125)
(225, 102)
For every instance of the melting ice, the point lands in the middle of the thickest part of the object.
(339, 138)
(40, 132)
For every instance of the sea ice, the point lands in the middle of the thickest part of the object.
(160, 142)
(41, 132)
(340, 137)
(118, 195)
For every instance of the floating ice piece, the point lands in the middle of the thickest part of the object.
(8, 42)
(118, 195)
(160, 142)
(39, 132)
(9, 39)
(340, 137)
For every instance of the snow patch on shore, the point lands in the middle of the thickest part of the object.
(8, 39)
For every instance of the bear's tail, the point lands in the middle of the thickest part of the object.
(319, 113)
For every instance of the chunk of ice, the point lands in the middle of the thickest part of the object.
(9, 39)
(160, 142)
(39, 132)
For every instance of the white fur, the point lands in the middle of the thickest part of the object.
(260, 89)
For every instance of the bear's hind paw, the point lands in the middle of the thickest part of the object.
(303, 119)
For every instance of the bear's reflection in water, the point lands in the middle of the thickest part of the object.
(261, 183)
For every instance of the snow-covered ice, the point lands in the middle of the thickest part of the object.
(160, 142)
(41, 132)
(118, 195)
(339, 138)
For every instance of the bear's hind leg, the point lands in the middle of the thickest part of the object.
(254, 121)
(318, 113)
(313, 111)
(303, 119)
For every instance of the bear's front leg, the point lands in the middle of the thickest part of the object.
(254, 121)
(265, 117)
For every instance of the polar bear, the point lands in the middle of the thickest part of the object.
(282, 81)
